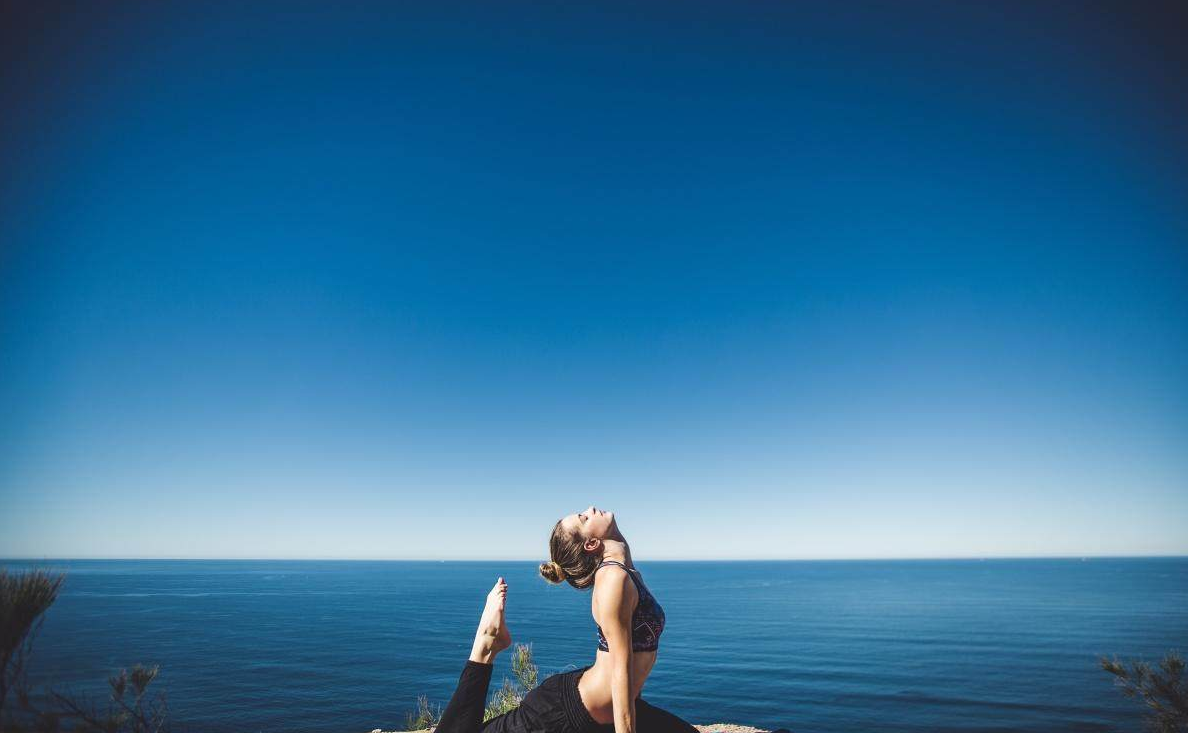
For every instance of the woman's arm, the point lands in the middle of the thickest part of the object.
(615, 608)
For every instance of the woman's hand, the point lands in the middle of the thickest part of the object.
(616, 599)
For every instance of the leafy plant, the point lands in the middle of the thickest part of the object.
(424, 716)
(24, 599)
(129, 709)
(1162, 689)
(509, 696)
(523, 667)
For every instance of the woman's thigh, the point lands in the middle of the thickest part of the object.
(513, 721)
(651, 719)
(542, 709)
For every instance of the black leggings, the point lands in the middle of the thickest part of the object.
(553, 707)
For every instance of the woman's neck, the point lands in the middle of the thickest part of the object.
(618, 551)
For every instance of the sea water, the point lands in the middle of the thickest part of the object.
(841, 646)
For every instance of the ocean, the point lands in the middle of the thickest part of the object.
(814, 646)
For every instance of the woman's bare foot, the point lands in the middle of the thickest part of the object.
(492, 636)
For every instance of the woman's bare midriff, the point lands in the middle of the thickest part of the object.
(595, 683)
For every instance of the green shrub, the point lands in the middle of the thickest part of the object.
(423, 717)
(505, 699)
(1162, 690)
(508, 697)
(129, 708)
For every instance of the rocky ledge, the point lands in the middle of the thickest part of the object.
(714, 728)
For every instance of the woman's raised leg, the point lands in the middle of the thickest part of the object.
(464, 712)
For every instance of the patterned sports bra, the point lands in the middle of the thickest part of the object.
(647, 622)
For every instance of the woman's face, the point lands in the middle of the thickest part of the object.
(592, 523)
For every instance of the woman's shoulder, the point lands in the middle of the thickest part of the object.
(614, 569)
(613, 581)
(611, 569)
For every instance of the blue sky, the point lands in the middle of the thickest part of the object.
(769, 281)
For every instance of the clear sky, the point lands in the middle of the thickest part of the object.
(413, 280)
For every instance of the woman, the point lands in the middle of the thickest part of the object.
(587, 550)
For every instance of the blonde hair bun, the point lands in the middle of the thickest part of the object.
(552, 572)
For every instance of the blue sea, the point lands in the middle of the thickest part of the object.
(828, 646)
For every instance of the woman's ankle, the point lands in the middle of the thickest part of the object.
(482, 654)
